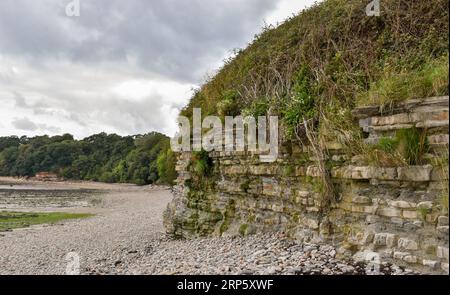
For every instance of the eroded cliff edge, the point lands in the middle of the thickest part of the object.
(399, 211)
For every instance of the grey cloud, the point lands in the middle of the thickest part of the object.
(38, 108)
(176, 39)
(20, 100)
(24, 124)
(64, 71)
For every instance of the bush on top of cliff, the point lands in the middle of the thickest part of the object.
(334, 54)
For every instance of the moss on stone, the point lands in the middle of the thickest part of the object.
(243, 229)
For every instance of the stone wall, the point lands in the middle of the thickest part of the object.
(398, 212)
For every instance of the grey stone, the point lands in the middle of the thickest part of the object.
(410, 259)
(402, 204)
(443, 221)
(425, 206)
(442, 252)
(385, 239)
(407, 244)
(431, 263)
(415, 173)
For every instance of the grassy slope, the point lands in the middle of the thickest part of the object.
(12, 220)
(332, 56)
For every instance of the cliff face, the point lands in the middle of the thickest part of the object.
(397, 210)
(369, 173)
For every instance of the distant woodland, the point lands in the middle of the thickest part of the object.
(139, 159)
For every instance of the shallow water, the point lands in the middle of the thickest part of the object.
(28, 187)
(29, 196)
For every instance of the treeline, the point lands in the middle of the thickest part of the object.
(139, 159)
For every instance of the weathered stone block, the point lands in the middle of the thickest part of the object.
(365, 124)
(362, 238)
(433, 264)
(385, 239)
(407, 244)
(263, 170)
(234, 170)
(361, 200)
(300, 171)
(439, 139)
(444, 267)
(304, 194)
(342, 172)
(362, 172)
(432, 124)
(402, 118)
(410, 214)
(387, 128)
(372, 219)
(443, 220)
(439, 174)
(442, 230)
(271, 187)
(389, 212)
(364, 209)
(381, 173)
(400, 255)
(442, 252)
(311, 223)
(410, 259)
(339, 158)
(391, 240)
(313, 171)
(402, 204)
(415, 173)
(313, 209)
(278, 208)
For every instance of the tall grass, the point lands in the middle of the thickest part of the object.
(429, 80)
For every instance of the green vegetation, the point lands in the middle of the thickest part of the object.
(245, 186)
(412, 144)
(229, 214)
(423, 212)
(12, 220)
(331, 58)
(101, 157)
(243, 229)
(443, 200)
(201, 163)
(166, 167)
(430, 79)
(407, 147)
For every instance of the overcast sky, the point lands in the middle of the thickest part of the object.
(124, 67)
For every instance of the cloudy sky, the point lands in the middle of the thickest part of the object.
(122, 67)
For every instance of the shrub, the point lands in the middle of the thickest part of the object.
(301, 105)
(166, 167)
(412, 144)
(407, 147)
(228, 105)
(429, 80)
(202, 164)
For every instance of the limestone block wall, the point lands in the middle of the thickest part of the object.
(398, 212)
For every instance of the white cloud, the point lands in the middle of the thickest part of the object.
(287, 8)
(123, 67)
